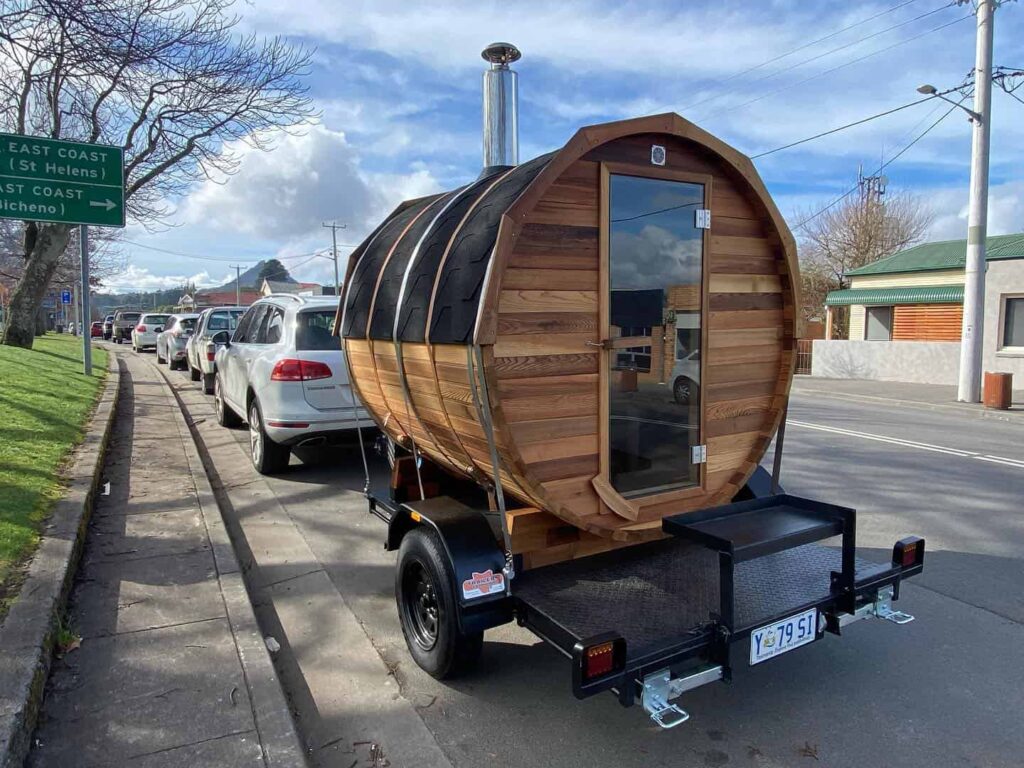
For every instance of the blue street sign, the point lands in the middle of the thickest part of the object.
(65, 297)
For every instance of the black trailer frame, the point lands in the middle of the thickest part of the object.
(731, 556)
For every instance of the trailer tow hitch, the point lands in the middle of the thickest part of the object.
(880, 608)
(660, 688)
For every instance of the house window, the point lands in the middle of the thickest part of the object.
(878, 324)
(1013, 322)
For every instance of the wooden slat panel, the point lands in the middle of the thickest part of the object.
(729, 264)
(744, 301)
(550, 279)
(735, 227)
(549, 344)
(927, 322)
(742, 246)
(743, 337)
(750, 354)
(527, 367)
(727, 284)
(558, 448)
(522, 323)
(548, 301)
(539, 430)
(757, 318)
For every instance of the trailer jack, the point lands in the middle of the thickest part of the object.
(660, 688)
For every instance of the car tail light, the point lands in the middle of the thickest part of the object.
(140, 328)
(290, 369)
(211, 352)
(908, 552)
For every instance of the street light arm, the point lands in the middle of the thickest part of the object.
(970, 112)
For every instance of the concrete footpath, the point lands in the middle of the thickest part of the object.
(897, 393)
(171, 669)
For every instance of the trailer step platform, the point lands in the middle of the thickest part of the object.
(668, 591)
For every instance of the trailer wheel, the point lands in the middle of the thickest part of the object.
(426, 608)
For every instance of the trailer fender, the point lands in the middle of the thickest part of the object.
(475, 559)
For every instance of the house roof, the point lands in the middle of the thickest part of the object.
(918, 294)
(213, 298)
(946, 254)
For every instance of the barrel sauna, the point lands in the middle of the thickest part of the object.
(617, 314)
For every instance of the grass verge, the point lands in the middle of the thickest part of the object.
(45, 402)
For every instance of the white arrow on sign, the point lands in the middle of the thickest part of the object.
(107, 204)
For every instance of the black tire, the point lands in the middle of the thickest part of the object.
(194, 373)
(207, 383)
(682, 390)
(159, 359)
(225, 416)
(268, 457)
(426, 608)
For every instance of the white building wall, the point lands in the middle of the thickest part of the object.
(909, 279)
(1002, 279)
(918, 362)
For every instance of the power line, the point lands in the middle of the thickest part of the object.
(841, 128)
(765, 63)
(881, 167)
(842, 47)
(837, 68)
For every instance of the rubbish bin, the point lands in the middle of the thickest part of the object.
(997, 391)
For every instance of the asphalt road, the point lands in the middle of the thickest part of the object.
(945, 690)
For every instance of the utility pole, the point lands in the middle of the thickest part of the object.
(83, 246)
(973, 331)
(238, 284)
(334, 227)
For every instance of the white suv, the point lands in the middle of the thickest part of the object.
(201, 349)
(285, 371)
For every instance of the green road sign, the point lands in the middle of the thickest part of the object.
(61, 181)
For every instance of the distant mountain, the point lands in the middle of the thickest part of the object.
(248, 279)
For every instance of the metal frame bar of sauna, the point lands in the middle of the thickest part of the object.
(725, 573)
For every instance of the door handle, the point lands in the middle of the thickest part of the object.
(603, 344)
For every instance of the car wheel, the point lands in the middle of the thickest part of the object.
(225, 416)
(682, 390)
(427, 605)
(207, 383)
(159, 357)
(268, 457)
(194, 373)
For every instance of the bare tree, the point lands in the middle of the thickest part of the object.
(860, 230)
(168, 80)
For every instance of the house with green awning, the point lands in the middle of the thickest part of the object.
(915, 297)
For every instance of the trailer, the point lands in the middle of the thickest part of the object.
(579, 363)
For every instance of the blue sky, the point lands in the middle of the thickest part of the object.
(398, 88)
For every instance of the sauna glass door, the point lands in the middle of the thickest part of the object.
(654, 334)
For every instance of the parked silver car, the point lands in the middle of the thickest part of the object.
(284, 373)
(201, 349)
(170, 344)
(149, 327)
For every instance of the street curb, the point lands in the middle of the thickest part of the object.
(28, 633)
(278, 737)
(961, 409)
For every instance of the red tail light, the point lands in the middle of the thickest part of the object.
(211, 352)
(140, 328)
(291, 369)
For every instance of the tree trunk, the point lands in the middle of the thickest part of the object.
(46, 249)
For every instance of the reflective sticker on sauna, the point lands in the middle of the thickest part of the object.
(483, 584)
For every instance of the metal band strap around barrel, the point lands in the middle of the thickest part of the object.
(483, 406)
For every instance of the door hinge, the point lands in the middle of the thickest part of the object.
(702, 218)
(698, 454)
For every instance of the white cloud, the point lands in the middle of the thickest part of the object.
(135, 278)
(1005, 211)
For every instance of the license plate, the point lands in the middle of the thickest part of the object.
(785, 635)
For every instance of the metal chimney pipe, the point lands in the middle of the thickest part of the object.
(501, 106)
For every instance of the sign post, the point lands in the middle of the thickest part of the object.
(63, 182)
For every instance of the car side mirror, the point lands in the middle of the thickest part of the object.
(222, 337)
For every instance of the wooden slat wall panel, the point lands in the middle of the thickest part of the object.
(547, 379)
(927, 322)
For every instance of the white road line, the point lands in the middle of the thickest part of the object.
(1016, 463)
(883, 439)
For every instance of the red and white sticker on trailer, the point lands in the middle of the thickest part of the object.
(483, 584)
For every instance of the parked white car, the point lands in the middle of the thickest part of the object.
(283, 372)
(148, 328)
(686, 377)
(170, 345)
(201, 349)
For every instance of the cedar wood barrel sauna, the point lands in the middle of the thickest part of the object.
(613, 322)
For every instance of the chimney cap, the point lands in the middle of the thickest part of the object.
(501, 54)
